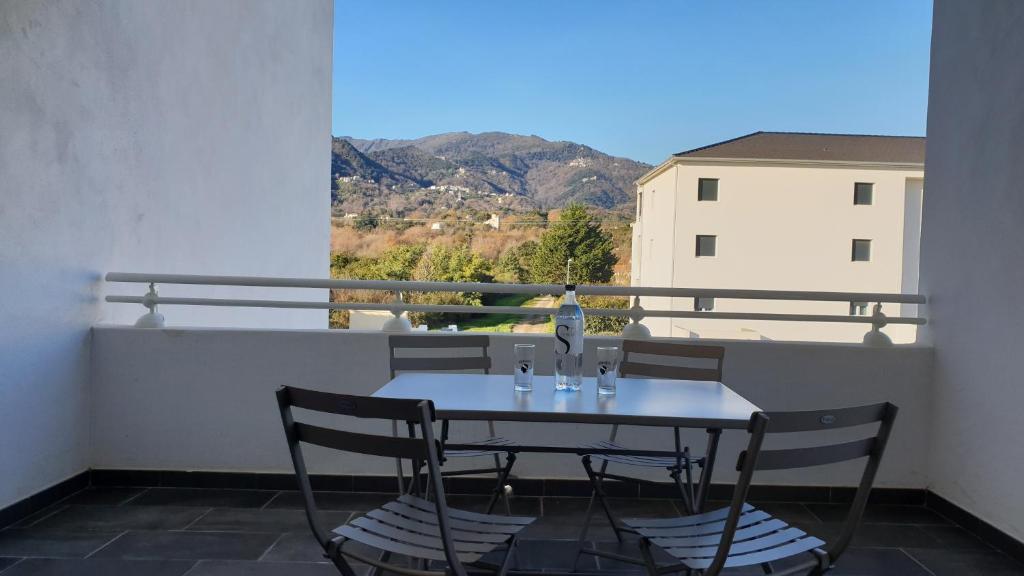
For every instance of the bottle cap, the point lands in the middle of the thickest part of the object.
(570, 287)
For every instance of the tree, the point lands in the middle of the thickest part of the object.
(448, 264)
(366, 222)
(574, 235)
(513, 266)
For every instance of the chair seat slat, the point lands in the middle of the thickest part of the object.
(643, 461)
(456, 523)
(765, 542)
(381, 543)
(758, 529)
(428, 506)
(683, 521)
(709, 528)
(408, 534)
(772, 554)
(496, 441)
(388, 517)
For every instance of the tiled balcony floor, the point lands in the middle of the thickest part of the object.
(207, 532)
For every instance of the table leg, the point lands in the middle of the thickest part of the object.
(709, 465)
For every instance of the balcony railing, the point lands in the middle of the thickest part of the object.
(634, 329)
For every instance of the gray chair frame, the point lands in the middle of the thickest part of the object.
(683, 463)
(743, 536)
(410, 526)
(481, 362)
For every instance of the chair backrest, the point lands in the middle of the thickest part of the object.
(454, 362)
(425, 448)
(871, 448)
(712, 356)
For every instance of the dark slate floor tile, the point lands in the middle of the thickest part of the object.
(583, 489)
(296, 547)
(7, 562)
(103, 496)
(119, 518)
(352, 501)
(560, 529)
(879, 514)
(877, 562)
(574, 509)
(26, 542)
(189, 545)
(521, 505)
(551, 555)
(628, 548)
(99, 567)
(954, 538)
(943, 562)
(257, 520)
(873, 535)
(39, 515)
(248, 568)
(205, 497)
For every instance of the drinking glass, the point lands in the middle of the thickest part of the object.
(524, 354)
(607, 369)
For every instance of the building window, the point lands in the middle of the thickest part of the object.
(861, 251)
(863, 193)
(858, 308)
(707, 190)
(702, 304)
(706, 245)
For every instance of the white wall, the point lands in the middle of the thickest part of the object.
(187, 136)
(202, 399)
(972, 251)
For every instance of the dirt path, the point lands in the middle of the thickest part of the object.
(537, 323)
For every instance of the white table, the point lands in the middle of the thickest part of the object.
(638, 402)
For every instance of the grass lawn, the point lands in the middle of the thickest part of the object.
(497, 322)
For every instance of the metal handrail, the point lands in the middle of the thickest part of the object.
(636, 313)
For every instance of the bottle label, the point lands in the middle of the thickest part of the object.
(564, 334)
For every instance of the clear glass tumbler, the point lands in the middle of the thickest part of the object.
(607, 369)
(524, 354)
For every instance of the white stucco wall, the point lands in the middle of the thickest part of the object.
(779, 226)
(202, 399)
(972, 251)
(186, 136)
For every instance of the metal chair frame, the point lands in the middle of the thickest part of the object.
(481, 362)
(743, 536)
(411, 526)
(683, 464)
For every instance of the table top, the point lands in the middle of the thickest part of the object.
(638, 401)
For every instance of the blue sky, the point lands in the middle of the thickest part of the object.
(640, 79)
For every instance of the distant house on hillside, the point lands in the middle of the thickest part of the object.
(781, 211)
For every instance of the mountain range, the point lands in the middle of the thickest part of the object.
(491, 170)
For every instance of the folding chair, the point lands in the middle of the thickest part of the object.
(742, 535)
(400, 361)
(680, 468)
(422, 530)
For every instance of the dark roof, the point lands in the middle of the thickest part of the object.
(809, 146)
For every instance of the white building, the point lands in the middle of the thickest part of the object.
(781, 211)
